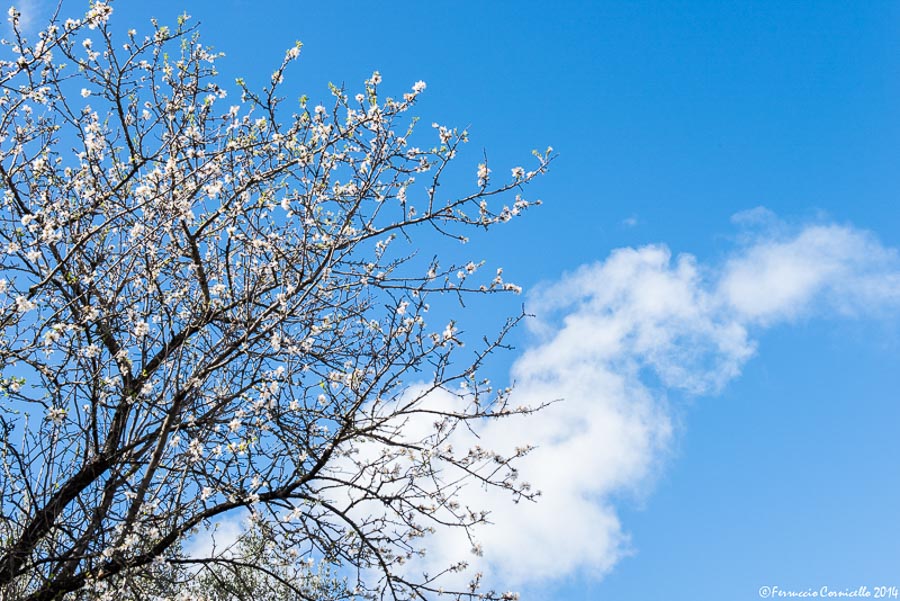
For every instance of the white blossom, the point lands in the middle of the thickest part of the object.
(56, 415)
(141, 329)
(483, 174)
(90, 351)
(24, 305)
(448, 332)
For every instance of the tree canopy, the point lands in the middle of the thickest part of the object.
(215, 301)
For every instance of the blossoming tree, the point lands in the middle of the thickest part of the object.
(210, 310)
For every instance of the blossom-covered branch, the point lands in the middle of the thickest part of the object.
(212, 304)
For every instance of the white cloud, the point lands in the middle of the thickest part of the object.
(220, 540)
(610, 339)
(848, 269)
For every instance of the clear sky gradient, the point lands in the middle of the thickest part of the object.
(669, 119)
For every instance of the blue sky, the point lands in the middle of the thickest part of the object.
(670, 118)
